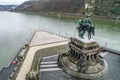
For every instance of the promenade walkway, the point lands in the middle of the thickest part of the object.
(39, 41)
(6, 71)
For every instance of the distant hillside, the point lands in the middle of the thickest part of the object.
(28, 6)
(101, 7)
(7, 7)
(69, 6)
(107, 7)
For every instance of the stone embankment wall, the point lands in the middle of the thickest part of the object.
(77, 15)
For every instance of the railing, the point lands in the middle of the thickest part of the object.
(14, 73)
(57, 34)
(112, 51)
(68, 37)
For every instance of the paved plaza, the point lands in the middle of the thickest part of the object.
(49, 69)
(39, 41)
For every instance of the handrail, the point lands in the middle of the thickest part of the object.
(105, 48)
(112, 51)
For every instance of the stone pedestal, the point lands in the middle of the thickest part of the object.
(83, 59)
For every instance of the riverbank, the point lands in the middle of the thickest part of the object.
(73, 15)
(10, 70)
(77, 15)
(41, 40)
(6, 70)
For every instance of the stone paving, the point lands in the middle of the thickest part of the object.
(41, 38)
(56, 73)
(39, 41)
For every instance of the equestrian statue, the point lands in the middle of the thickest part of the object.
(86, 25)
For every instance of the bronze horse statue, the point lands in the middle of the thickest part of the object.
(82, 28)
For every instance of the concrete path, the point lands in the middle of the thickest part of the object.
(40, 40)
(54, 73)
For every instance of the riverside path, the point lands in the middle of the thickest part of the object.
(39, 41)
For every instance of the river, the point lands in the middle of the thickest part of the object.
(17, 28)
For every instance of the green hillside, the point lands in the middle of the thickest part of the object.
(107, 7)
(64, 6)
(101, 7)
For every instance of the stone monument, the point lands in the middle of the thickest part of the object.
(83, 59)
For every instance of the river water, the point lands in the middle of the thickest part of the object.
(17, 28)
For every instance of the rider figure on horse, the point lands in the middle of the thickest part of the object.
(85, 25)
(87, 20)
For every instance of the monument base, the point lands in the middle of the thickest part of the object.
(83, 60)
(95, 71)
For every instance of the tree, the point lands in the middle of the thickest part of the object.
(116, 8)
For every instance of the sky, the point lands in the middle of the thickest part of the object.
(7, 2)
